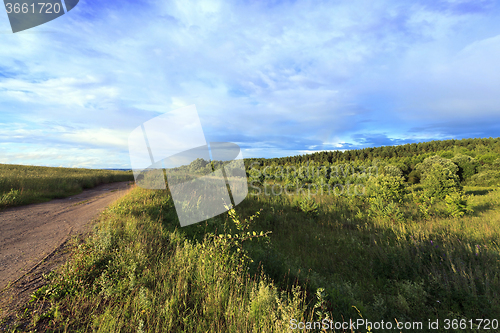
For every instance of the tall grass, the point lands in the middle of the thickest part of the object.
(413, 268)
(140, 273)
(21, 184)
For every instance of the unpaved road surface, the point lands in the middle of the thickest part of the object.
(29, 234)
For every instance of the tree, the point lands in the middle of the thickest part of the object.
(198, 165)
(387, 188)
(441, 181)
(429, 162)
(392, 170)
(467, 166)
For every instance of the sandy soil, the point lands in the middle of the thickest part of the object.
(33, 238)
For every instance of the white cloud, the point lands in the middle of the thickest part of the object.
(262, 71)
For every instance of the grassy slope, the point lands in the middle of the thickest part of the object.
(419, 269)
(20, 185)
(140, 273)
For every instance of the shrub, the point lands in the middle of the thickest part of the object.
(308, 206)
(387, 188)
(439, 176)
(198, 165)
(441, 181)
(9, 198)
(414, 177)
(391, 210)
(488, 158)
(446, 154)
(256, 177)
(394, 171)
(425, 167)
(423, 203)
(467, 166)
(485, 178)
(456, 204)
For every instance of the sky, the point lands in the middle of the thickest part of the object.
(278, 78)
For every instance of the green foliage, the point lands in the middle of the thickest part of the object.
(496, 164)
(256, 176)
(446, 154)
(321, 305)
(393, 171)
(456, 204)
(309, 206)
(387, 188)
(467, 166)
(414, 177)
(138, 272)
(10, 198)
(20, 184)
(199, 165)
(423, 203)
(488, 158)
(485, 178)
(440, 181)
(380, 207)
(386, 193)
(425, 167)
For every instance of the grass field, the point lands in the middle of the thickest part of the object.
(391, 253)
(20, 185)
(140, 272)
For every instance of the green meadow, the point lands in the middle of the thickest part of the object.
(406, 235)
(21, 185)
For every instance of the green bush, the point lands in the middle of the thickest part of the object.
(381, 208)
(456, 204)
(10, 198)
(446, 154)
(429, 162)
(439, 176)
(467, 166)
(388, 188)
(414, 177)
(309, 206)
(488, 158)
(485, 178)
(391, 170)
(256, 177)
(441, 181)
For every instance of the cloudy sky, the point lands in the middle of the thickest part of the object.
(278, 78)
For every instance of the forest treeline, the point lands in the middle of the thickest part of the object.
(472, 156)
(485, 150)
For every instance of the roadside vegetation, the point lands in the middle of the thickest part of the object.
(21, 185)
(402, 239)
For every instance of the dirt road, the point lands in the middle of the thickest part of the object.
(29, 234)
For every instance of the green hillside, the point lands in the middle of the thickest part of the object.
(407, 234)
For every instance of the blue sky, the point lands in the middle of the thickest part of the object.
(278, 78)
